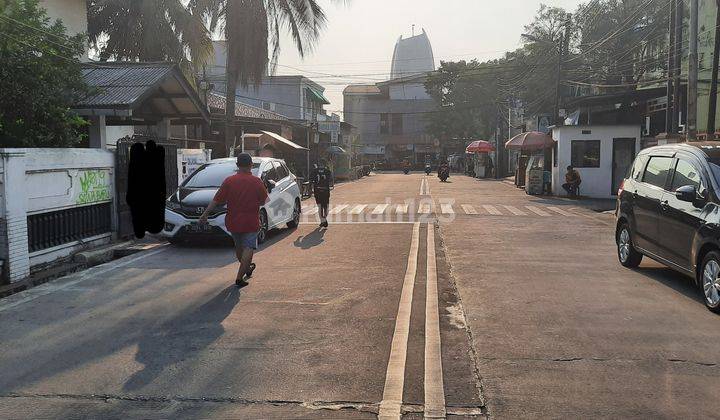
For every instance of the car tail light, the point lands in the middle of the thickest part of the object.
(622, 187)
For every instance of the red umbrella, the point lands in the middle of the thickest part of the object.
(480, 146)
(532, 140)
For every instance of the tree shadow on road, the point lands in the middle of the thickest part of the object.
(310, 240)
(182, 337)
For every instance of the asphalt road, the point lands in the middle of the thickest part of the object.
(465, 299)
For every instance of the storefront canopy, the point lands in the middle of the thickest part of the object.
(317, 96)
(283, 140)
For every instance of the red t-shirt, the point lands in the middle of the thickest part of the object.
(244, 193)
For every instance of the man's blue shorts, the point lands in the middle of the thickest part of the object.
(245, 240)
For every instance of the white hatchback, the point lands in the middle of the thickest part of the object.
(183, 209)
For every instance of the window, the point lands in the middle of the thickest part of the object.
(686, 174)
(269, 174)
(657, 170)
(280, 170)
(638, 167)
(268, 106)
(585, 154)
(397, 123)
(384, 124)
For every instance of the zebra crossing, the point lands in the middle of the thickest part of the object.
(444, 208)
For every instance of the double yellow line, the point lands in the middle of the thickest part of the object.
(391, 404)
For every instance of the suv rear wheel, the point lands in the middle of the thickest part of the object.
(710, 280)
(296, 216)
(627, 254)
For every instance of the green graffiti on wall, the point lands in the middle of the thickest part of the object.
(94, 187)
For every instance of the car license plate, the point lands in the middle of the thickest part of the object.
(199, 228)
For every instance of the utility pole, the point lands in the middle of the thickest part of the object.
(677, 93)
(712, 106)
(692, 93)
(562, 51)
(670, 65)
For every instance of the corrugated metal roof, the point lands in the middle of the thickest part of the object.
(121, 84)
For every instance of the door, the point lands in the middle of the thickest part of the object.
(647, 195)
(285, 202)
(271, 208)
(679, 220)
(622, 159)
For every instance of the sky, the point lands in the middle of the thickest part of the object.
(358, 41)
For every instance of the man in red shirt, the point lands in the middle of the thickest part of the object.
(244, 193)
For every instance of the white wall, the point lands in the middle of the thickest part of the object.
(596, 182)
(44, 180)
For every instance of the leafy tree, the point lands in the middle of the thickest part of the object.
(149, 30)
(39, 78)
(252, 29)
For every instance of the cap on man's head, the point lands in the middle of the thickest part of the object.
(244, 160)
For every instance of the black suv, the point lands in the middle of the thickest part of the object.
(668, 208)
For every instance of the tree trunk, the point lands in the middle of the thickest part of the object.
(231, 75)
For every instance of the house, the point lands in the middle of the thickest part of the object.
(390, 115)
(295, 97)
(601, 154)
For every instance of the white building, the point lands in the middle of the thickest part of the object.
(601, 154)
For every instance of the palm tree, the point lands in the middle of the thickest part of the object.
(149, 30)
(252, 30)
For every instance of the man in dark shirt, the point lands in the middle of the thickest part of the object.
(320, 179)
(572, 181)
(244, 194)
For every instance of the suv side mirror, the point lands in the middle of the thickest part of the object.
(687, 193)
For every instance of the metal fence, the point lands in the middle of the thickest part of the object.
(47, 230)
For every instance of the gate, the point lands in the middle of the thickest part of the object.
(122, 161)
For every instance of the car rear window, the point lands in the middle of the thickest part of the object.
(638, 167)
(657, 170)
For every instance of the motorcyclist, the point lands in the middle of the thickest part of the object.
(443, 170)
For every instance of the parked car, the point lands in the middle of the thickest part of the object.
(184, 207)
(668, 209)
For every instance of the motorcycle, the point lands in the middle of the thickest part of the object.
(444, 174)
(406, 170)
(428, 169)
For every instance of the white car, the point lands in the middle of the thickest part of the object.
(183, 209)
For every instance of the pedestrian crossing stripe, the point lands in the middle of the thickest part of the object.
(559, 211)
(444, 208)
(468, 209)
(537, 211)
(358, 209)
(380, 208)
(338, 209)
(492, 210)
(514, 210)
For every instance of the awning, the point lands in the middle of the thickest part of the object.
(283, 140)
(317, 95)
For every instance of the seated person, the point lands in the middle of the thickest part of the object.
(572, 181)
